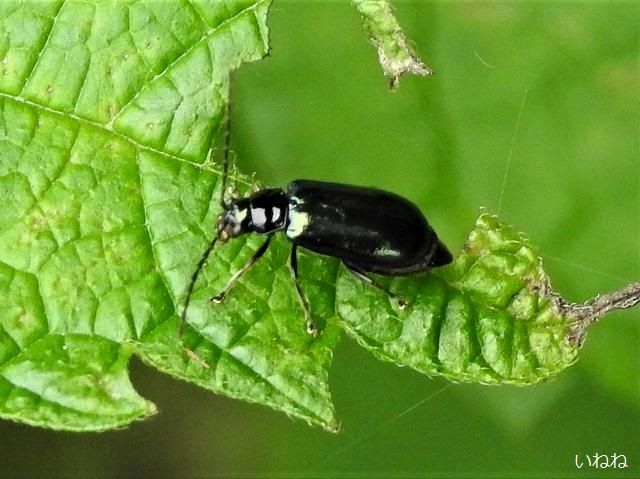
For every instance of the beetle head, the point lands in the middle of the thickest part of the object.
(232, 221)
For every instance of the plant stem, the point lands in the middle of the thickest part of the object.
(592, 310)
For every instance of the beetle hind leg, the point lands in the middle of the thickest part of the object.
(360, 274)
(312, 328)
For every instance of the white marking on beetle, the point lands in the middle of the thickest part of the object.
(298, 222)
(385, 251)
(295, 201)
(240, 214)
(258, 216)
(275, 214)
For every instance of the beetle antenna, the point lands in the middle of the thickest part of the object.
(192, 283)
(227, 147)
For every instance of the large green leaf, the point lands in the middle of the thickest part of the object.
(108, 111)
(108, 195)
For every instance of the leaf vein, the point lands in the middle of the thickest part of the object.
(101, 127)
(208, 33)
(44, 47)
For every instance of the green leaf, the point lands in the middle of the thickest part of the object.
(489, 317)
(72, 382)
(108, 196)
(395, 53)
(108, 111)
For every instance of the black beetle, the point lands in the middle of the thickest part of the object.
(369, 230)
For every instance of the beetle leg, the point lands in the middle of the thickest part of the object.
(236, 276)
(360, 274)
(312, 329)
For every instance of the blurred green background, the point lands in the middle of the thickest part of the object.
(319, 107)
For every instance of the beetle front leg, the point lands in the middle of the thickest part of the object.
(312, 329)
(238, 274)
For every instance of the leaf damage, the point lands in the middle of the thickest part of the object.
(396, 55)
